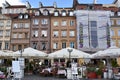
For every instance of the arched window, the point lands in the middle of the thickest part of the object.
(56, 13)
(45, 12)
(63, 13)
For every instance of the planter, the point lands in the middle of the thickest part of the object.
(99, 76)
(91, 75)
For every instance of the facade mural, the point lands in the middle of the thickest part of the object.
(93, 29)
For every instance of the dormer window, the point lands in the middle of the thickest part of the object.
(63, 13)
(45, 12)
(37, 13)
(20, 16)
(26, 16)
(56, 13)
(118, 13)
(71, 13)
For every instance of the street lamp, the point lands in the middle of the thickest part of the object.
(69, 50)
(21, 51)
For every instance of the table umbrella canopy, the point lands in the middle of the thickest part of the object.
(6, 54)
(111, 52)
(64, 53)
(30, 52)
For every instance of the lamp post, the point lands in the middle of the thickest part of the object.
(69, 50)
(22, 65)
(21, 51)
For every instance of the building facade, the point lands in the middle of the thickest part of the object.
(63, 29)
(40, 28)
(20, 32)
(5, 30)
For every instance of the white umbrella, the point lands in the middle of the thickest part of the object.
(98, 54)
(6, 54)
(112, 52)
(64, 53)
(30, 52)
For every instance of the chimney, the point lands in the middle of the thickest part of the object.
(28, 5)
(95, 2)
(55, 5)
(40, 4)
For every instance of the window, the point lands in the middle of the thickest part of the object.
(34, 45)
(70, 13)
(26, 16)
(71, 23)
(0, 45)
(7, 32)
(44, 33)
(37, 13)
(13, 47)
(72, 44)
(55, 23)
(64, 13)
(118, 13)
(44, 21)
(118, 32)
(15, 25)
(118, 22)
(20, 16)
(64, 23)
(56, 13)
(27, 25)
(72, 33)
(14, 35)
(1, 23)
(8, 23)
(1, 32)
(43, 46)
(112, 13)
(6, 45)
(55, 45)
(20, 35)
(45, 12)
(112, 22)
(63, 44)
(55, 33)
(21, 25)
(112, 33)
(35, 21)
(64, 33)
(35, 33)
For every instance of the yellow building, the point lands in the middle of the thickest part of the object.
(5, 29)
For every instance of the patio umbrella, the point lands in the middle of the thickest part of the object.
(112, 52)
(30, 53)
(64, 53)
(6, 54)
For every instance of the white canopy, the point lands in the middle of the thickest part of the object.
(6, 54)
(64, 53)
(112, 52)
(30, 52)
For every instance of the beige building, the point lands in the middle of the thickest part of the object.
(5, 29)
(63, 29)
(20, 32)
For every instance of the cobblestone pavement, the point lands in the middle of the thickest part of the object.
(37, 77)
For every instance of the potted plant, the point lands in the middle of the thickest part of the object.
(91, 72)
(99, 73)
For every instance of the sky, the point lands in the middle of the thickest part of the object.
(60, 3)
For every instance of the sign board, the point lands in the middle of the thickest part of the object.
(15, 66)
(74, 68)
(22, 62)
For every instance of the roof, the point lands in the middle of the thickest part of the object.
(17, 6)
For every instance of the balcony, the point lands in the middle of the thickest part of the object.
(20, 40)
